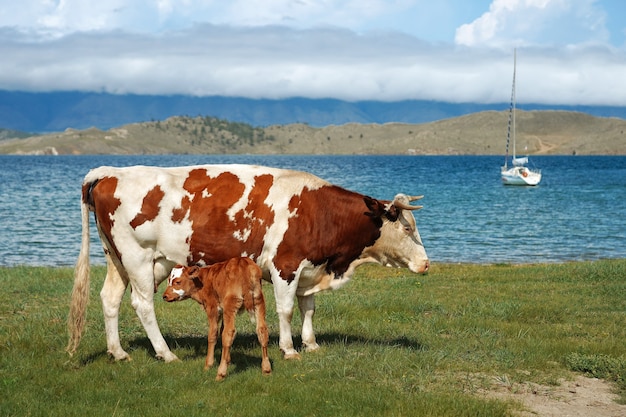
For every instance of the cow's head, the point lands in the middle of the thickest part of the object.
(183, 283)
(399, 244)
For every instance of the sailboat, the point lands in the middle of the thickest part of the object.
(518, 173)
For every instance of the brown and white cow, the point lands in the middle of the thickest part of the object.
(232, 286)
(306, 234)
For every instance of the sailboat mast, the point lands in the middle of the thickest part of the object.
(513, 98)
(511, 124)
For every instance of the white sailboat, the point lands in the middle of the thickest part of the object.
(518, 173)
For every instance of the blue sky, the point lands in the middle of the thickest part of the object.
(569, 51)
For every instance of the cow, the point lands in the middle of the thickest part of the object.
(230, 286)
(306, 234)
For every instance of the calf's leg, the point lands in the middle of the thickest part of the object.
(262, 333)
(230, 308)
(213, 318)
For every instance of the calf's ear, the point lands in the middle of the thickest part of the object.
(197, 282)
(193, 272)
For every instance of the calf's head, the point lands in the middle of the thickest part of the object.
(183, 283)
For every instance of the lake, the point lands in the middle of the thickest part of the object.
(578, 212)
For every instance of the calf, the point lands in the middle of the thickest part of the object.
(230, 286)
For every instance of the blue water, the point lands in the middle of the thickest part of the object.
(577, 213)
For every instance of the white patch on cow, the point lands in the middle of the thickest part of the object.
(206, 193)
(176, 273)
(314, 279)
(179, 293)
(242, 235)
(143, 242)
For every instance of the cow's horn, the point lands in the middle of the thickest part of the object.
(401, 202)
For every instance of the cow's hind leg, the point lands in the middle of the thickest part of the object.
(111, 295)
(142, 300)
(213, 316)
(307, 310)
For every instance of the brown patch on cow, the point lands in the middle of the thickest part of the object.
(178, 214)
(149, 207)
(213, 238)
(334, 229)
(101, 196)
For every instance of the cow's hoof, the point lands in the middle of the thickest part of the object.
(292, 355)
(167, 357)
(311, 348)
(119, 356)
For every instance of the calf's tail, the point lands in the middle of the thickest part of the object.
(80, 292)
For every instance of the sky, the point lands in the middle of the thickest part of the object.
(569, 52)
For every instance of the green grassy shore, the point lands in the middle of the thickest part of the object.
(392, 344)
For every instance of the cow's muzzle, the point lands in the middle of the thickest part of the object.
(421, 268)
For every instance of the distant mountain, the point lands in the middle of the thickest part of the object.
(57, 111)
(12, 134)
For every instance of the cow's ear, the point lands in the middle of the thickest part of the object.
(392, 213)
(376, 208)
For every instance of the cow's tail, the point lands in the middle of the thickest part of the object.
(80, 292)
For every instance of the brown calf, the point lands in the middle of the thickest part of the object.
(232, 285)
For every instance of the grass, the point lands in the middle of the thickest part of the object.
(392, 344)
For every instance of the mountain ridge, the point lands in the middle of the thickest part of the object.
(56, 111)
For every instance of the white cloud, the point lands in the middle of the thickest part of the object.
(63, 17)
(318, 49)
(317, 63)
(535, 22)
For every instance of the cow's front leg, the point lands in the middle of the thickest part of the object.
(285, 294)
(307, 311)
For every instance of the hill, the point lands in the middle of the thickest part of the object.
(483, 133)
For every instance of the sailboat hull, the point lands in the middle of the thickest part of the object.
(520, 176)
